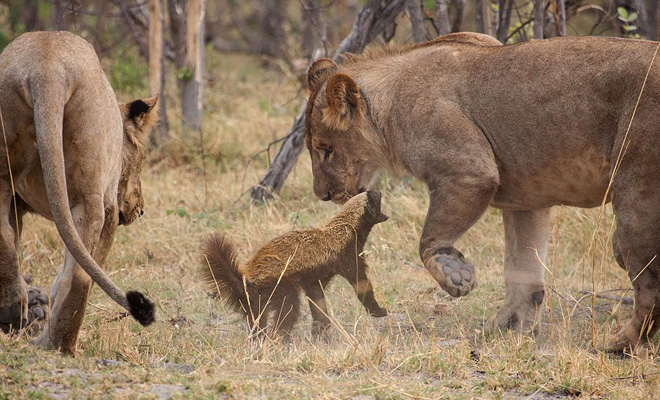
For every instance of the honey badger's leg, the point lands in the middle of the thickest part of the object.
(363, 289)
(526, 239)
(70, 290)
(256, 312)
(285, 311)
(13, 297)
(317, 305)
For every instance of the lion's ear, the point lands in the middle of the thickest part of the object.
(143, 113)
(342, 95)
(319, 72)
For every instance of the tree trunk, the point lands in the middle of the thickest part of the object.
(539, 18)
(59, 9)
(101, 10)
(504, 19)
(191, 91)
(272, 39)
(370, 22)
(314, 34)
(417, 20)
(652, 25)
(479, 24)
(561, 18)
(176, 9)
(442, 18)
(459, 5)
(156, 68)
(29, 15)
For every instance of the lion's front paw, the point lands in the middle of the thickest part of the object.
(522, 313)
(452, 272)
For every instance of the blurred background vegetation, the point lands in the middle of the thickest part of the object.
(286, 35)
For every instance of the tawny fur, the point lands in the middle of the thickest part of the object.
(266, 289)
(522, 128)
(75, 157)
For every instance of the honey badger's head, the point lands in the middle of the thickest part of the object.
(368, 204)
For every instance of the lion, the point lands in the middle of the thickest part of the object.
(75, 156)
(267, 287)
(521, 128)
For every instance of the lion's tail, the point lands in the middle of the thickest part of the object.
(220, 270)
(48, 92)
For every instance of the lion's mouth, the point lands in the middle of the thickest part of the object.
(122, 220)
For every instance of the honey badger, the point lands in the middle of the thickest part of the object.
(266, 288)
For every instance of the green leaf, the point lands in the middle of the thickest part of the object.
(185, 73)
(632, 17)
(623, 13)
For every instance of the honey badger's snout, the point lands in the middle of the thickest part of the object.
(374, 198)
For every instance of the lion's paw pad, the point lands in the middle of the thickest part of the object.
(38, 304)
(458, 277)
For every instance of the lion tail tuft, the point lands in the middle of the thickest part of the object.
(220, 270)
(141, 307)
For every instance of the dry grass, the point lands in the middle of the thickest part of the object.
(431, 346)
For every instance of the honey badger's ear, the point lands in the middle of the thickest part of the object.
(319, 73)
(342, 95)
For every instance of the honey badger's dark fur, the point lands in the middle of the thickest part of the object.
(309, 259)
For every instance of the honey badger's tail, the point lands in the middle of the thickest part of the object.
(220, 269)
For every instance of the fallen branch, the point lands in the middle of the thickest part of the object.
(623, 300)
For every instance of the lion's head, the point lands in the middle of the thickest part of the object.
(139, 117)
(341, 139)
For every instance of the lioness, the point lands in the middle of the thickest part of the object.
(267, 287)
(521, 128)
(75, 158)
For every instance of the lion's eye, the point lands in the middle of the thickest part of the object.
(326, 154)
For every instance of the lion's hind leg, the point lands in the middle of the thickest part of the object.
(38, 300)
(526, 238)
(13, 295)
(71, 288)
(636, 242)
(637, 250)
